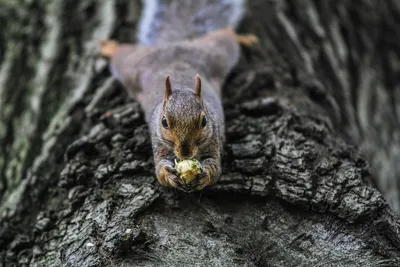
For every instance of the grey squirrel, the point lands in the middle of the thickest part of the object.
(185, 51)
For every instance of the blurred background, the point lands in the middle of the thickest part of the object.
(340, 57)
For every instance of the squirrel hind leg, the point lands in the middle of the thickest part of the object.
(108, 48)
(247, 40)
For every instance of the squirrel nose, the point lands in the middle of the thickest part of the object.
(184, 151)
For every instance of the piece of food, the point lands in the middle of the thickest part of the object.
(188, 169)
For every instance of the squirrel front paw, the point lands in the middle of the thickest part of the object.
(168, 176)
(203, 180)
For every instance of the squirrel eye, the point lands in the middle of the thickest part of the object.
(203, 122)
(164, 122)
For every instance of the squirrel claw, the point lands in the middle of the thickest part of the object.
(173, 179)
(171, 170)
(108, 48)
(202, 181)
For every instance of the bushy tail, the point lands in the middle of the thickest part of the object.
(173, 20)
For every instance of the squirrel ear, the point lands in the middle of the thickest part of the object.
(197, 86)
(168, 90)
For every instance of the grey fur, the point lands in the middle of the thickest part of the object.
(145, 68)
(171, 20)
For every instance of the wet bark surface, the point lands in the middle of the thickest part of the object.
(310, 163)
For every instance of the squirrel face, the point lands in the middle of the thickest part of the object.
(183, 121)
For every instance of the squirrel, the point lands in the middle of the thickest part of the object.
(176, 71)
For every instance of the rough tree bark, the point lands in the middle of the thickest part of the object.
(305, 112)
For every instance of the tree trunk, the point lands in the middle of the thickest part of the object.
(310, 114)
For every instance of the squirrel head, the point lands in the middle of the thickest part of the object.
(183, 120)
